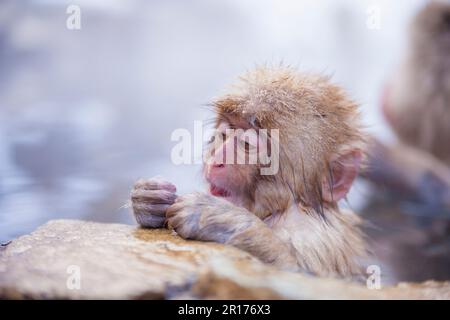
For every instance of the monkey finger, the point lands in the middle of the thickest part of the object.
(179, 199)
(154, 209)
(172, 222)
(174, 209)
(154, 196)
(175, 222)
(154, 184)
(149, 220)
(183, 229)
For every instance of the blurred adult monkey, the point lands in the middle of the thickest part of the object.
(416, 104)
(289, 218)
(415, 171)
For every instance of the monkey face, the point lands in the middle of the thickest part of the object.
(232, 160)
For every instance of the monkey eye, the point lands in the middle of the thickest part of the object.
(213, 137)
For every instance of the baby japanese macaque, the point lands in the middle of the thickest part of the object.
(286, 214)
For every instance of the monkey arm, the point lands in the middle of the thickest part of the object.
(410, 172)
(208, 218)
(259, 240)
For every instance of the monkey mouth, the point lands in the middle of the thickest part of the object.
(218, 192)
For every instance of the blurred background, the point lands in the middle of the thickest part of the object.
(84, 113)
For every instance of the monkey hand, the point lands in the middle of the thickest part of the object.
(205, 217)
(150, 199)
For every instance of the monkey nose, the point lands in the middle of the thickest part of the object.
(218, 165)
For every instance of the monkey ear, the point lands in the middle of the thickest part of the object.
(343, 172)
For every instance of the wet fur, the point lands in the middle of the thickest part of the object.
(283, 219)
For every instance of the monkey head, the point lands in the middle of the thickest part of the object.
(301, 121)
(430, 29)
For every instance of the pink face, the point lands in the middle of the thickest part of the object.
(232, 159)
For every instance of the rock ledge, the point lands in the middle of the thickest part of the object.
(69, 259)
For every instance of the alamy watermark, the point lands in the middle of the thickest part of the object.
(73, 21)
(373, 21)
(73, 281)
(373, 281)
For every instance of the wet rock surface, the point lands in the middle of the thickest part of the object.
(71, 259)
